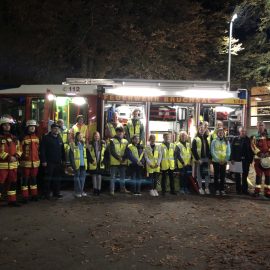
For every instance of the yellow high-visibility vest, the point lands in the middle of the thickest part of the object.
(135, 153)
(220, 149)
(167, 161)
(111, 129)
(93, 155)
(82, 130)
(120, 148)
(77, 160)
(134, 131)
(153, 157)
(185, 153)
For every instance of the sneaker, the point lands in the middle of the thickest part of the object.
(156, 193)
(58, 196)
(182, 191)
(152, 193)
(112, 193)
(124, 190)
(187, 191)
(77, 195)
(217, 193)
(84, 194)
(207, 191)
(139, 194)
(222, 193)
(201, 191)
(173, 193)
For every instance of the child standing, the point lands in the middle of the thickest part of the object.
(78, 160)
(95, 157)
(135, 155)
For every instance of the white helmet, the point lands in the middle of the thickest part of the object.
(265, 162)
(6, 120)
(31, 123)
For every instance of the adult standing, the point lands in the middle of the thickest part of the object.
(30, 161)
(201, 153)
(81, 127)
(220, 152)
(52, 159)
(112, 125)
(135, 127)
(261, 148)
(213, 135)
(10, 152)
(242, 152)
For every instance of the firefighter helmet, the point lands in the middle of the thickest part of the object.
(6, 120)
(265, 162)
(31, 123)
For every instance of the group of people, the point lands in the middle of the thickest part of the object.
(125, 152)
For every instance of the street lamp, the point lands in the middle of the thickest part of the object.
(230, 53)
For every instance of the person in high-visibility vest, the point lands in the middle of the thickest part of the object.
(167, 163)
(118, 159)
(112, 125)
(153, 158)
(30, 161)
(64, 133)
(135, 154)
(220, 152)
(79, 127)
(10, 152)
(135, 127)
(95, 157)
(201, 154)
(213, 134)
(261, 148)
(78, 160)
(183, 158)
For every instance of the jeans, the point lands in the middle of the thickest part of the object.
(122, 173)
(136, 176)
(184, 175)
(202, 172)
(79, 180)
(96, 178)
(219, 173)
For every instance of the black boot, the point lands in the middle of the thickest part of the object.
(14, 204)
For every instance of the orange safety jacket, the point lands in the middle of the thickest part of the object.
(9, 147)
(30, 151)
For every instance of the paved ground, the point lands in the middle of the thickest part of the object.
(126, 232)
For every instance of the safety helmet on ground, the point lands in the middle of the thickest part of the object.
(31, 123)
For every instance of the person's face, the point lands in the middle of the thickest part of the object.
(79, 137)
(136, 114)
(152, 140)
(219, 125)
(60, 123)
(183, 137)
(31, 129)
(206, 125)
(136, 140)
(55, 130)
(167, 138)
(80, 121)
(261, 127)
(120, 134)
(201, 130)
(115, 117)
(242, 132)
(220, 134)
(96, 137)
(6, 127)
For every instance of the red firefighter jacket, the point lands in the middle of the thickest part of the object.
(9, 147)
(30, 152)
